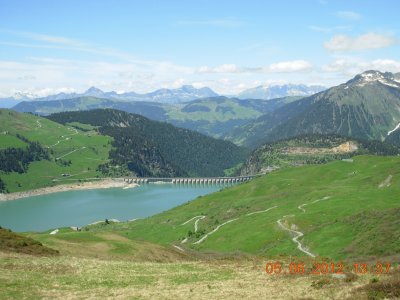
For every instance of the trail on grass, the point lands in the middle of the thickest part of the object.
(301, 207)
(298, 234)
(188, 221)
(386, 182)
(197, 218)
(65, 137)
(57, 158)
(215, 230)
(229, 221)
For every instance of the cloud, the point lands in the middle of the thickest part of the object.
(371, 40)
(290, 66)
(350, 66)
(348, 15)
(279, 67)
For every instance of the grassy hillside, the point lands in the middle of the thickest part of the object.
(72, 151)
(151, 148)
(218, 115)
(333, 198)
(347, 211)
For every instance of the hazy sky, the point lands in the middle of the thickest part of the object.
(53, 46)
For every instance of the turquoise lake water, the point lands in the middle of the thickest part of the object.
(79, 208)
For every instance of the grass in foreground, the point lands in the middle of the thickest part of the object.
(27, 277)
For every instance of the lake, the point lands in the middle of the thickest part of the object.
(79, 208)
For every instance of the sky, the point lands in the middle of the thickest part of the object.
(48, 47)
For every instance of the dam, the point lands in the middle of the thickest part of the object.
(189, 180)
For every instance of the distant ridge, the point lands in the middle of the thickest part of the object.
(182, 94)
(267, 92)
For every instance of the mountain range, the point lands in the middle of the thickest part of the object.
(214, 116)
(267, 92)
(365, 107)
(182, 94)
(185, 93)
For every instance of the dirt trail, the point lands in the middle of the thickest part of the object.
(179, 248)
(197, 218)
(301, 207)
(219, 226)
(192, 219)
(386, 182)
(196, 223)
(261, 211)
(298, 234)
(57, 158)
(215, 230)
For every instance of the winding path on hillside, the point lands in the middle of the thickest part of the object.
(64, 137)
(215, 230)
(301, 207)
(219, 226)
(298, 234)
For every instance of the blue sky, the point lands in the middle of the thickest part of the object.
(53, 46)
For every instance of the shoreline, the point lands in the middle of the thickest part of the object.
(89, 185)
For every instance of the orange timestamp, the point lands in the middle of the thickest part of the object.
(322, 268)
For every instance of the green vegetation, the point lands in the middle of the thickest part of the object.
(311, 149)
(150, 148)
(359, 109)
(12, 242)
(215, 116)
(48, 150)
(348, 211)
(18, 159)
(333, 193)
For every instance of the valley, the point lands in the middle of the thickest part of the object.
(224, 150)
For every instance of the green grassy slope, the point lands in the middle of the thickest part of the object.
(90, 150)
(332, 226)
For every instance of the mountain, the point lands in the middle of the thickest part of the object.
(37, 152)
(150, 148)
(267, 92)
(8, 102)
(214, 116)
(182, 94)
(365, 107)
(311, 149)
(152, 110)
